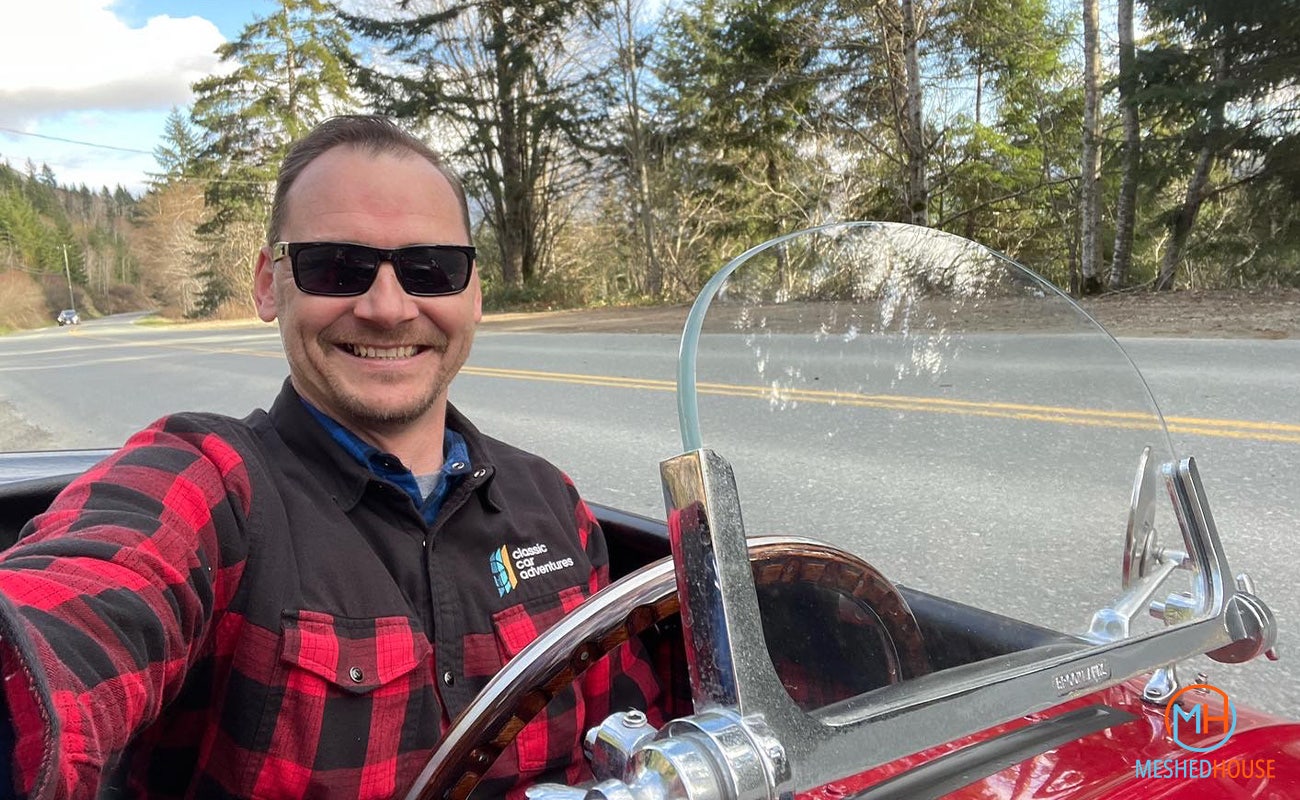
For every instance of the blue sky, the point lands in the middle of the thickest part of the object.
(230, 16)
(104, 72)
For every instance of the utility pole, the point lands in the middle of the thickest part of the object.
(72, 301)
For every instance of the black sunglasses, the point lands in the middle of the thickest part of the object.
(340, 269)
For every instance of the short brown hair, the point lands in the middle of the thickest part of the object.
(372, 132)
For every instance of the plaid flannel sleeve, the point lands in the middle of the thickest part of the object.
(107, 598)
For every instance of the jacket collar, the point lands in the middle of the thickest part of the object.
(342, 475)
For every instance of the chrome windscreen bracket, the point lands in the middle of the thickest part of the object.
(1247, 620)
(1250, 623)
(715, 586)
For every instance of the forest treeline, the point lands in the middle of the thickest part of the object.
(620, 151)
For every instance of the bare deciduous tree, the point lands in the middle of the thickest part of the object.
(1090, 160)
(1130, 152)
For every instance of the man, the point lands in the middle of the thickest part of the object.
(297, 603)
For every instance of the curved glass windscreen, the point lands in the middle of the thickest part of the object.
(940, 412)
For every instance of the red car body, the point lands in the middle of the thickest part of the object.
(1261, 759)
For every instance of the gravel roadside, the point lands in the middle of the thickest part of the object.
(1207, 314)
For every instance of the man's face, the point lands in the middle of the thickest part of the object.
(381, 361)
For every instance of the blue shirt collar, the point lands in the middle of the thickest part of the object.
(389, 467)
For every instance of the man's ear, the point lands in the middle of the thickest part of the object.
(264, 286)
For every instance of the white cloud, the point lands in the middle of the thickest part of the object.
(59, 56)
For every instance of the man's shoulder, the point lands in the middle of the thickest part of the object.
(210, 422)
(499, 449)
(505, 455)
(512, 465)
(495, 451)
(175, 441)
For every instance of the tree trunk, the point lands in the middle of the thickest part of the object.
(918, 190)
(638, 158)
(1126, 203)
(513, 229)
(1090, 167)
(978, 138)
(654, 271)
(1180, 228)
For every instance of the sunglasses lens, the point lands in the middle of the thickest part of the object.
(345, 270)
(334, 269)
(430, 271)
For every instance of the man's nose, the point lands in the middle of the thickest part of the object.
(386, 302)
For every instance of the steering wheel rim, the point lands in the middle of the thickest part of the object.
(626, 608)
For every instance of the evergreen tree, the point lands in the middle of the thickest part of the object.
(288, 75)
(1005, 168)
(740, 96)
(178, 153)
(1221, 78)
(498, 77)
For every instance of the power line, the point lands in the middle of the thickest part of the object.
(77, 141)
(142, 152)
(29, 270)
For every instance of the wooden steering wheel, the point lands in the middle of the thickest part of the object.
(625, 609)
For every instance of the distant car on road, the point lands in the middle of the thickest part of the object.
(69, 316)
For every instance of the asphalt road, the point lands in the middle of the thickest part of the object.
(973, 471)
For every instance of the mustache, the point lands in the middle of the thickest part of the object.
(424, 337)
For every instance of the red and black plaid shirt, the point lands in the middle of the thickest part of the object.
(237, 608)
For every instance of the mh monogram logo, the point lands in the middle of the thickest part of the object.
(1204, 725)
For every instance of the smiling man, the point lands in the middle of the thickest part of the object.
(297, 603)
(376, 349)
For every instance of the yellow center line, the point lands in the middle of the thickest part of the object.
(1223, 428)
(1280, 432)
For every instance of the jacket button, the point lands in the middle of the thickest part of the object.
(447, 678)
(356, 675)
(480, 472)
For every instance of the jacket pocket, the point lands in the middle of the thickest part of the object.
(353, 693)
(553, 738)
(355, 656)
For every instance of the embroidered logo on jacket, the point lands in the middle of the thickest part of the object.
(502, 574)
(511, 567)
